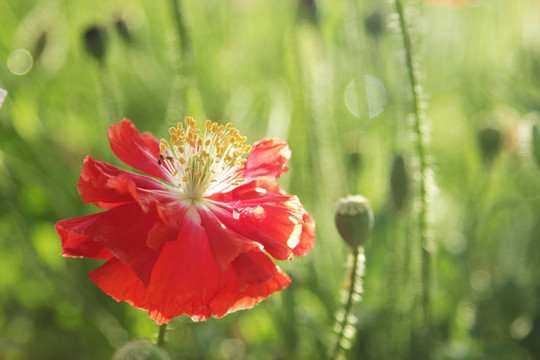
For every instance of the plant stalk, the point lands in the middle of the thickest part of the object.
(419, 129)
(342, 323)
(161, 336)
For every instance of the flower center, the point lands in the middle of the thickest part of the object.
(203, 164)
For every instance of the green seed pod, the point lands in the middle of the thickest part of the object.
(95, 39)
(141, 349)
(399, 183)
(490, 140)
(374, 23)
(354, 219)
(536, 143)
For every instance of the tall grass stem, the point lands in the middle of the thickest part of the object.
(419, 128)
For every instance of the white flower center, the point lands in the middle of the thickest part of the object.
(203, 164)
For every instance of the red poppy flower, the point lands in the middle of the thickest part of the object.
(195, 240)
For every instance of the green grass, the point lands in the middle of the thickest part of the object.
(273, 72)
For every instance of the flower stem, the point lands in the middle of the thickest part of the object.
(109, 95)
(161, 336)
(419, 125)
(343, 316)
(185, 42)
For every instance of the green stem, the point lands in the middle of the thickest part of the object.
(183, 38)
(418, 128)
(346, 309)
(161, 336)
(109, 94)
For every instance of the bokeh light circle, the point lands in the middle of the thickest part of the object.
(20, 62)
(375, 93)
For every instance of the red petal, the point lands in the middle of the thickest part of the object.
(253, 294)
(275, 247)
(270, 192)
(107, 186)
(187, 279)
(123, 230)
(225, 244)
(283, 225)
(75, 243)
(140, 151)
(307, 238)
(249, 272)
(267, 160)
(119, 281)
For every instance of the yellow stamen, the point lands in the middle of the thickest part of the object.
(204, 162)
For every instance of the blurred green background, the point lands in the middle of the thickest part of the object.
(330, 78)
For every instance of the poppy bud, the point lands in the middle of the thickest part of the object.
(95, 39)
(39, 46)
(354, 219)
(399, 182)
(374, 23)
(490, 140)
(536, 143)
(121, 27)
(141, 349)
(307, 10)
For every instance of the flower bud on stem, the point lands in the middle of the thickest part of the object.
(354, 221)
(490, 140)
(95, 41)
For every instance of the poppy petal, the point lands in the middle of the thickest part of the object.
(267, 160)
(270, 192)
(123, 230)
(75, 243)
(140, 151)
(107, 186)
(235, 219)
(253, 294)
(281, 222)
(307, 238)
(225, 244)
(120, 282)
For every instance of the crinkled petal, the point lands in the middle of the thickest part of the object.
(225, 244)
(74, 241)
(267, 160)
(187, 279)
(261, 211)
(107, 186)
(246, 224)
(307, 238)
(123, 230)
(253, 268)
(140, 151)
